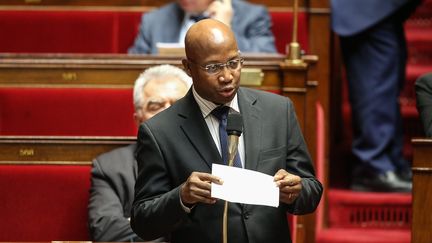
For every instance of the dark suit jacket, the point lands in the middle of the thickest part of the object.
(251, 24)
(423, 88)
(111, 195)
(350, 17)
(177, 142)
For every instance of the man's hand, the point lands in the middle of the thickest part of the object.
(221, 10)
(197, 189)
(289, 186)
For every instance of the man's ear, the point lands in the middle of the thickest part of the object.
(186, 66)
(137, 119)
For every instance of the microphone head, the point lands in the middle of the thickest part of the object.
(234, 124)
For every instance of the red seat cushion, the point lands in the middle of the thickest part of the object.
(44, 202)
(66, 112)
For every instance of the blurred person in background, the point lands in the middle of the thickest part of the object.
(114, 173)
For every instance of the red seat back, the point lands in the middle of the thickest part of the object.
(282, 30)
(91, 31)
(44, 202)
(67, 31)
(66, 112)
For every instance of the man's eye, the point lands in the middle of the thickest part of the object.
(154, 106)
(233, 63)
(212, 68)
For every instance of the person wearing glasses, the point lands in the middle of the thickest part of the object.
(114, 173)
(177, 148)
(251, 24)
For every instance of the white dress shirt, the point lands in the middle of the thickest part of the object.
(206, 108)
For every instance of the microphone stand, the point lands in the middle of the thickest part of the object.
(225, 213)
(232, 151)
(294, 49)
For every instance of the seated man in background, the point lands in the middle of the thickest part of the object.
(114, 173)
(251, 24)
(423, 88)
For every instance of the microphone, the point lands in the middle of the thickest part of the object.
(234, 129)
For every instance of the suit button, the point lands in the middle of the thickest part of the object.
(246, 215)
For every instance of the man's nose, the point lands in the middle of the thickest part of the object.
(225, 75)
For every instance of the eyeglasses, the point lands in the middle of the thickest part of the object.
(216, 68)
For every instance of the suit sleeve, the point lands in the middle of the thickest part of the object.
(107, 221)
(156, 210)
(424, 102)
(258, 36)
(142, 42)
(298, 162)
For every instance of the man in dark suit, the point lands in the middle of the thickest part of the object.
(114, 173)
(423, 88)
(251, 24)
(374, 52)
(177, 147)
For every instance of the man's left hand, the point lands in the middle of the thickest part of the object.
(289, 186)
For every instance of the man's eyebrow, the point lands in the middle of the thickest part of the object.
(229, 59)
(155, 101)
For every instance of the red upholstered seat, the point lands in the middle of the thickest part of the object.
(44, 202)
(66, 112)
(67, 31)
(91, 31)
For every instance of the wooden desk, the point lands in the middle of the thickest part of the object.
(422, 188)
(267, 72)
(57, 150)
(120, 71)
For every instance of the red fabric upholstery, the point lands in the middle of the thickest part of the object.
(340, 235)
(67, 31)
(66, 112)
(57, 31)
(348, 209)
(44, 202)
(282, 30)
(128, 25)
(84, 31)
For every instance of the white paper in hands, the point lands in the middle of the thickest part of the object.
(244, 186)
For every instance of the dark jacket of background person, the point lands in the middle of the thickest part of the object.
(423, 88)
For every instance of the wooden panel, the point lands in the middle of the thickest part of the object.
(57, 150)
(422, 186)
(105, 70)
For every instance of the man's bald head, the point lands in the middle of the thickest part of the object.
(208, 36)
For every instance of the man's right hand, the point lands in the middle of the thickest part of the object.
(197, 189)
(222, 11)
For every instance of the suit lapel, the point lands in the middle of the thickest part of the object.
(252, 127)
(195, 128)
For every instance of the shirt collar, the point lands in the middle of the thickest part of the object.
(206, 106)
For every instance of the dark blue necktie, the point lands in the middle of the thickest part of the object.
(197, 18)
(221, 113)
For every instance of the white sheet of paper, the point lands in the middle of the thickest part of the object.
(244, 186)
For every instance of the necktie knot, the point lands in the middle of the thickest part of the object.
(198, 17)
(221, 112)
